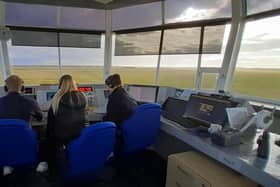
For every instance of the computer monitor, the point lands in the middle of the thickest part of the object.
(208, 109)
(178, 92)
(174, 107)
(100, 99)
(143, 93)
(50, 95)
(106, 94)
(29, 90)
(30, 96)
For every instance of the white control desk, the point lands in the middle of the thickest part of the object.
(242, 158)
(42, 123)
(96, 114)
(93, 115)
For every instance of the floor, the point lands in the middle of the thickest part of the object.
(149, 173)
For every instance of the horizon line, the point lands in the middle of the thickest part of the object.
(99, 66)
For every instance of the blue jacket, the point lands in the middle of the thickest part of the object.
(14, 105)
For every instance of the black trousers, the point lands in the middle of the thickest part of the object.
(54, 154)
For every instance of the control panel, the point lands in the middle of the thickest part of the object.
(30, 92)
(96, 95)
(44, 95)
(89, 92)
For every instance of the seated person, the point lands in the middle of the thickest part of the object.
(67, 113)
(120, 105)
(15, 105)
(66, 119)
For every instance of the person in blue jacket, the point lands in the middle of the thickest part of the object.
(15, 105)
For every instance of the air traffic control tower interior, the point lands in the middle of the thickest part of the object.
(213, 67)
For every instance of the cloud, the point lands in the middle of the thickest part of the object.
(260, 45)
(255, 6)
(183, 10)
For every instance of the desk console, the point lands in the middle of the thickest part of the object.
(196, 170)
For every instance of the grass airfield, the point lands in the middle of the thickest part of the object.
(256, 82)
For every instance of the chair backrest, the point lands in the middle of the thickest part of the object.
(141, 129)
(18, 143)
(88, 153)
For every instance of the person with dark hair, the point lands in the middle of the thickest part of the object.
(15, 105)
(120, 105)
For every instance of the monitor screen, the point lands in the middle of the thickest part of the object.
(31, 96)
(143, 93)
(85, 89)
(208, 109)
(106, 93)
(174, 107)
(29, 90)
(50, 95)
(178, 92)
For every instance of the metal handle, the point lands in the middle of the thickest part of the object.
(182, 171)
(178, 184)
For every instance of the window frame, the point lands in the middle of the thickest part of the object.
(57, 32)
(248, 18)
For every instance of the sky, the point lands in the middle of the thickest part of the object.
(260, 44)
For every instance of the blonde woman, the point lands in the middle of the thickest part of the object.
(66, 115)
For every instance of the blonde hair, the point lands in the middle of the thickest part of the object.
(66, 84)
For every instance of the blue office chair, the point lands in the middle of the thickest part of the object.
(141, 129)
(88, 154)
(18, 144)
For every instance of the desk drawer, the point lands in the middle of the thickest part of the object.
(192, 169)
(181, 176)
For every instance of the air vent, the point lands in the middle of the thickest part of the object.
(104, 1)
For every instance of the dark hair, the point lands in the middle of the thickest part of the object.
(113, 80)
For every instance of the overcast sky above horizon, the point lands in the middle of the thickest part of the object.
(260, 45)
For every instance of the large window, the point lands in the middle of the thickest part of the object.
(135, 56)
(139, 16)
(191, 10)
(35, 65)
(82, 18)
(35, 56)
(179, 57)
(208, 81)
(214, 44)
(84, 61)
(258, 65)
(31, 15)
(142, 43)
(1, 76)
(257, 6)
(34, 15)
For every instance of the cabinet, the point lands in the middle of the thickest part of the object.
(192, 169)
